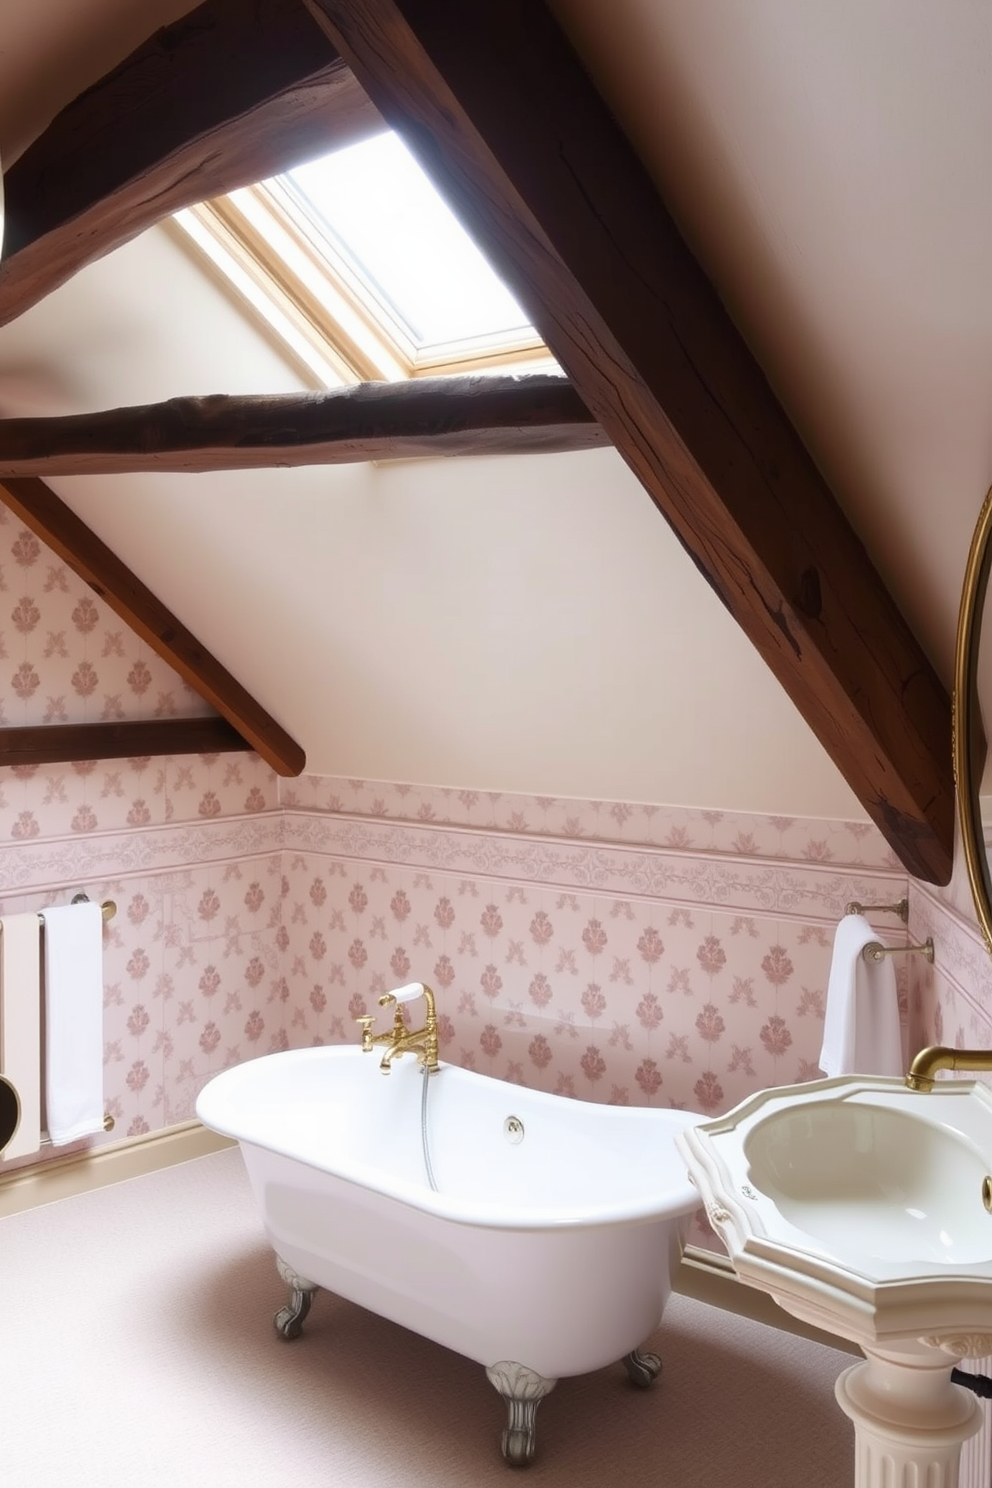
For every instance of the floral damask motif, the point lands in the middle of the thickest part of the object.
(743, 991)
(25, 681)
(209, 983)
(444, 972)
(594, 938)
(593, 1064)
(775, 1036)
(711, 955)
(138, 1075)
(138, 1022)
(86, 616)
(650, 946)
(490, 1041)
(26, 549)
(540, 1052)
(777, 966)
(399, 964)
(709, 1024)
(85, 679)
(85, 820)
(541, 928)
(209, 1039)
(491, 982)
(25, 615)
(139, 965)
(491, 921)
(593, 1002)
(209, 905)
(539, 990)
(708, 1092)
(648, 1077)
(649, 1013)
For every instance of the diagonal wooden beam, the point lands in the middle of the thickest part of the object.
(500, 112)
(58, 526)
(237, 91)
(373, 421)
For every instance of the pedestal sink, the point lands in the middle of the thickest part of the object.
(864, 1208)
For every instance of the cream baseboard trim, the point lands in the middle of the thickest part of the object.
(706, 1276)
(79, 1172)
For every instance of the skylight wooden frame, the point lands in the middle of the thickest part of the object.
(282, 248)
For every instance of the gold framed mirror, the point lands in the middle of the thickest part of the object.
(972, 682)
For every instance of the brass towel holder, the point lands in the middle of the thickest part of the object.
(875, 951)
(900, 908)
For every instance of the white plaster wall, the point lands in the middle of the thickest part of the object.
(526, 624)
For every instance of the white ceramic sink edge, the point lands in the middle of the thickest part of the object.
(832, 1196)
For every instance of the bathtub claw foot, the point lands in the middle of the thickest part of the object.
(288, 1321)
(523, 1391)
(643, 1369)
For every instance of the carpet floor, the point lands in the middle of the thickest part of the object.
(138, 1352)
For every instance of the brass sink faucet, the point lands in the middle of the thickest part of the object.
(399, 1039)
(937, 1057)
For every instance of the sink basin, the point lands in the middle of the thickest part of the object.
(867, 1179)
(858, 1204)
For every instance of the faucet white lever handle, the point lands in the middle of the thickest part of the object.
(408, 993)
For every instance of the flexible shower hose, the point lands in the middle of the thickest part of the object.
(423, 1130)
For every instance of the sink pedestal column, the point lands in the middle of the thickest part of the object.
(909, 1419)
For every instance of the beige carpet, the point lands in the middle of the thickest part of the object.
(137, 1349)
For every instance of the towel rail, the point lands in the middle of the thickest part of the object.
(900, 908)
(108, 1126)
(108, 909)
(874, 951)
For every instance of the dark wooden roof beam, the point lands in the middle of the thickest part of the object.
(51, 744)
(230, 94)
(533, 413)
(501, 113)
(56, 524)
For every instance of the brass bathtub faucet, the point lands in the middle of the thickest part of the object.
(937, 1057)
(400, 1040)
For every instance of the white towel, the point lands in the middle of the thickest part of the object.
(861, 1030)
(20, 1024)
(73, 1021)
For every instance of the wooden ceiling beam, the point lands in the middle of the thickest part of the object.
(500, 112)
(56, 524)
(237, 91)
(52, 744)
(533, 413)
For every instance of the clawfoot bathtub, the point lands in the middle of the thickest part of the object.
(546, 1250)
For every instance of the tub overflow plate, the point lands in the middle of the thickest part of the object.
(513, 1129)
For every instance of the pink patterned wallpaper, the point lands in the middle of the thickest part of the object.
(606, 950)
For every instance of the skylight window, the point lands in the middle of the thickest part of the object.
(383, 214)
(362, 271)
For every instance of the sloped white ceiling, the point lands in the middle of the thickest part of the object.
(831, 162)
(531, 624)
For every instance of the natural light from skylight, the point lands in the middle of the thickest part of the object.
(382, 213)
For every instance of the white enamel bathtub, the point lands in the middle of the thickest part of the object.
(539, 1257)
